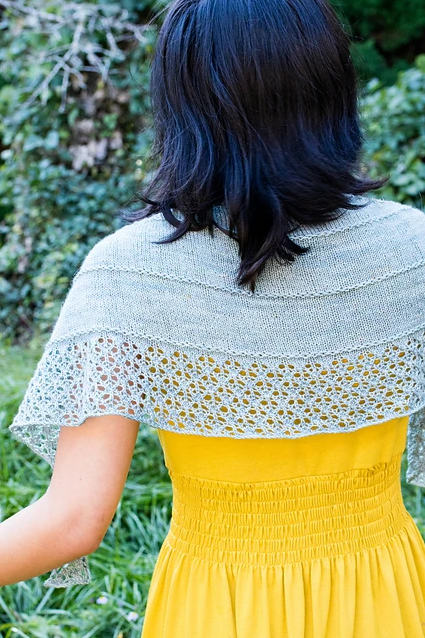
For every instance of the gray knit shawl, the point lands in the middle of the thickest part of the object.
(332, 342)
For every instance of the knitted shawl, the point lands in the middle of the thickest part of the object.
(162, 334)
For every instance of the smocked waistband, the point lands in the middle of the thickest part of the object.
(290, 520)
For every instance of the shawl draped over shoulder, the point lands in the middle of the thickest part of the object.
(162, 334)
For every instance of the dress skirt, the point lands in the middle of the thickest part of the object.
(288, 538)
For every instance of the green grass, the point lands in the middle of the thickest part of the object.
(122, 566)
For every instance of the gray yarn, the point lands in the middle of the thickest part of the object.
(332, 342)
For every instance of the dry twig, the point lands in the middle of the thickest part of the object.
(83, 53)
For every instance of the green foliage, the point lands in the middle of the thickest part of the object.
(370, 63)
(76, 128)
(386, 34)
(394, 22)
(395, 134)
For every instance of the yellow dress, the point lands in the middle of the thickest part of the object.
(288, 538)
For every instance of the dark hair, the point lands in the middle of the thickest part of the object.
(255, 109)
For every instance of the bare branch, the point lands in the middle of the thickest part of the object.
(83, 53)
(43, 86)
(64, 88)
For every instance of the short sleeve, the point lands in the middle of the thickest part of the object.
(91, 366)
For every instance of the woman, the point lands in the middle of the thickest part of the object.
(281, 389)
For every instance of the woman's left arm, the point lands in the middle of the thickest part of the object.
(70, 520)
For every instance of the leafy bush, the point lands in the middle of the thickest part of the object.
(395, 130)
(387, 34)
(73, 91)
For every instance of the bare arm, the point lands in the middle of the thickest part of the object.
(71, 518)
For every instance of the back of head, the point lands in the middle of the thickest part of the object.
(256, 109)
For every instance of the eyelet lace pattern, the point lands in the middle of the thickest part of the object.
(195, 391)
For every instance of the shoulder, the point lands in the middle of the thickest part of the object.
(386, 220)
(414, 216)
(409, 224)
(401, 210)
(120, 248)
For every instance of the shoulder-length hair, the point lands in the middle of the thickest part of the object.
(256, 110)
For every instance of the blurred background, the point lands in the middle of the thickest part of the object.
(75, 135)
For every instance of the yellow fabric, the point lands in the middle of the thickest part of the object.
(288, 538)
